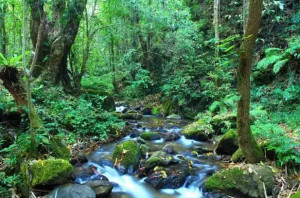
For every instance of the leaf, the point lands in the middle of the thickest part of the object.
(279, 65)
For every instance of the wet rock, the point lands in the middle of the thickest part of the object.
(140, 140)
(130, 115)
(169, 149)
(249, 180)
(150, 136)
(171, 137)
(174, 117)
(127, 154)
(102, 188)
(72, 191)
(228, 143)
(147, 111)
(121, 109)
(135, 133)
(159, 158)
(199, 130)
(201, 150)
(144, 149)
(168, 177)
(49, 172)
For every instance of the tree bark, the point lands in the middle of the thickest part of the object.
(248, 145)
(57, 39)
(3, 33)
(216, 26)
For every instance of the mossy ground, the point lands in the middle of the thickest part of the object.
(44, 171)
(128, 152)
(224, 180)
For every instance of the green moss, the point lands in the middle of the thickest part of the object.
(168, 108)
(199, 130)
(224, 180)
(296, 195)
(128, 152)
(52, 171)
(59, 150)
(150, 136)
(144, 149)
(231, 134)
(238, 156)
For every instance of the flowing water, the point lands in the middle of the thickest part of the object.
(127, 185)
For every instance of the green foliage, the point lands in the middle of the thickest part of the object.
(14, 61)
(279, 58)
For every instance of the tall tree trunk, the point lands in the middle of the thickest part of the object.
(3, 33)
(248, 145)
(57, 39)
(216, 27)
(245, 14)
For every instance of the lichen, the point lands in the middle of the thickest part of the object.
(46, 171)
(128, 153)
(224, 180)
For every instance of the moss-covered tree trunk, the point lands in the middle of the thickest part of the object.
(57, 39)
(248, 145)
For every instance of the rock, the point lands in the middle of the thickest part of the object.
(128, 153)
(159, 158)
(200, 131)
(134, 133)
(150, 136)
(228, 143)
(121, 109)
(72, 191)
(168, 177)
(174, 117)
(58, 149)
(169, 149)
(201, 150)
(144, 150)
(248, 180)
(130, 115)
(296, 195)
(147, 111)
(140, 140)
(50, 172)
(108, 104)
(223, 122)
(171, 137)
(102, 188)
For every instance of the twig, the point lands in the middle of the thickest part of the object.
(265, 191)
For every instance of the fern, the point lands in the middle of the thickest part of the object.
(279, 65)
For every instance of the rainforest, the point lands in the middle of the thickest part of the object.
(149, 99)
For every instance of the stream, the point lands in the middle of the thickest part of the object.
(127, 185)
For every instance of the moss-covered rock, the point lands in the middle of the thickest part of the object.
(238, 156)
(250, 180)
(130, 115)
(228, 143)
(50, 172)
(200, 130)
(158, 158)
(174, 117)
(149, 136)
(223, 122)
(128, 153)
(59, 150)
(296, 195)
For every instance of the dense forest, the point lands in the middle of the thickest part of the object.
(149, 98)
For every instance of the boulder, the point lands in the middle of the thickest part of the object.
(172, 136)
(222, 122)
(79, 159)
(250, 180)
(199, 130)
(150, 136)
(174, 117)
(127, 153)
(108, 104)
(72, 191)
(228, 143)
(171, 177)
(134, 133)
(159, 158)
(102, 188)
(50, 172)
(169, 149)
(130, 115)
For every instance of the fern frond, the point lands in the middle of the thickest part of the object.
(279, 65)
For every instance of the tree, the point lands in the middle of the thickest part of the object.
(216, 26)
(61, 29)
(248, 145)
